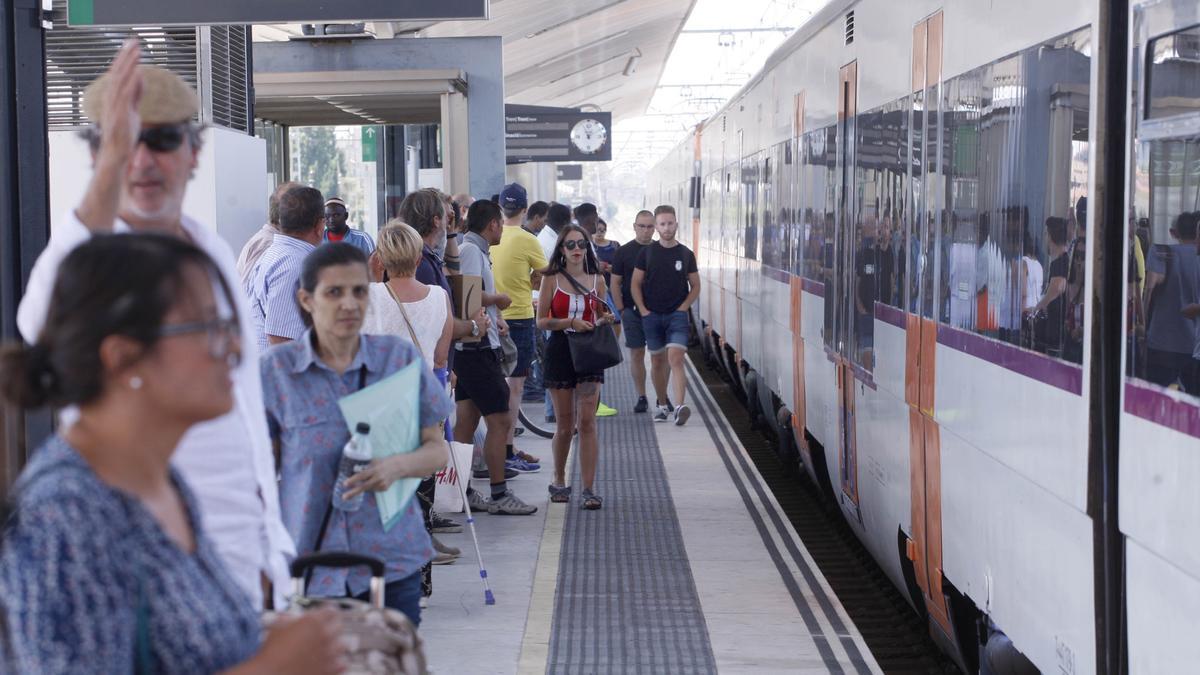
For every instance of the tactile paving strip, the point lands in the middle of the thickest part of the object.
(626, 601)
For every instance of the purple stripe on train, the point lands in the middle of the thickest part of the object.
(1065, 376)
(776, 274)
(812, 286)
(1153, 404)
(891, 315)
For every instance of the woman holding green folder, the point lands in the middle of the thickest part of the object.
(302, 383)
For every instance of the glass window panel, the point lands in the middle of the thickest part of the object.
(1174, 69)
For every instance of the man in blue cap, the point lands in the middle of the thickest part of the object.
(517, 262)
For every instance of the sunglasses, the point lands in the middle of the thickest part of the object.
(574, 244)
(163, 139)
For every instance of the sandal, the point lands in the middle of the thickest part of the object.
(560, 494)
(591, 501)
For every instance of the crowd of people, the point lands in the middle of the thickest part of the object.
(200, 433)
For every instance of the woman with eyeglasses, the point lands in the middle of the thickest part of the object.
(302, 383)
(105, 566)
(570, 300)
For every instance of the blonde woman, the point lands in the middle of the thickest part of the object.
(401, 305)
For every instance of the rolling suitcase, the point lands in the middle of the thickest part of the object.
(378, 639)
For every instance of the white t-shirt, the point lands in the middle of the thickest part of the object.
(228, 462)
(547, 238)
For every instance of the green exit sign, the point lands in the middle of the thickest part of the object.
(370, 143)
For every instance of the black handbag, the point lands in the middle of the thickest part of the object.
(597, 349)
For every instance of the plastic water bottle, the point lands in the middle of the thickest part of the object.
(356, 456)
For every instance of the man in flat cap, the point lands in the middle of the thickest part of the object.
(144, 149)
(337, 227)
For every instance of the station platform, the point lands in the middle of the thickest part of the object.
(690, 567)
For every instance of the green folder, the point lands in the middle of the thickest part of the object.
(392, 406)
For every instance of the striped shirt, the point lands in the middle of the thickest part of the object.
(272, 290)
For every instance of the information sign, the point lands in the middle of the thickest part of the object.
(542, 134)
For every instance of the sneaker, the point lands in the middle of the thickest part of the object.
(476, 501)
(509, 505)
(518, 431)
(423, 602)
(442, 524)
(550, 419)
(682, 413)
(662, 414)
(509, 473)
(445, 548)
(605, 411)
(527, 457)
(521, 466)
(440, 558)
(642, 405)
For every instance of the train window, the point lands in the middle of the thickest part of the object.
(1173, 67)
(1013, 175)
(751, 186)
(1164, 269)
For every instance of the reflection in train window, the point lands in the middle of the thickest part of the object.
(750, 193)
(1013, 161)
(879, 194)
(1174, 68)
(1164, 288)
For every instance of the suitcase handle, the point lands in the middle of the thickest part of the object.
(304, 563)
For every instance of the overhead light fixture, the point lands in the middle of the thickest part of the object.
(573, 19)
(631, 64)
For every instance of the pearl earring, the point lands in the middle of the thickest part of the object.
(135, 382)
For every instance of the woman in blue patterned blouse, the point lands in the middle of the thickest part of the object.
(302, 382)
(104, 566)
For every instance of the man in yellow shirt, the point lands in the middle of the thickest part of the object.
(517, 262)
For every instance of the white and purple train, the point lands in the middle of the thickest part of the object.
(949, 252)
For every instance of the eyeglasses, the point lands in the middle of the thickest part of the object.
(163, 139)
(574, 244)
(222, 335)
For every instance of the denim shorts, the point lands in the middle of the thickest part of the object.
(522, 333)
(631, 322)
(665, 330)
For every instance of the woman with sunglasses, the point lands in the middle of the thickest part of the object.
(302, 383)
(570, 301)
(105, 565)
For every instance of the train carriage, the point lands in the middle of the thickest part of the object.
(878, 217)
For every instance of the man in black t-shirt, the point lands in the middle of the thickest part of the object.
(665, 283)
(622, 279)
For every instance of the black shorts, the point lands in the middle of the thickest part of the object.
(481, 381)
(558, 371)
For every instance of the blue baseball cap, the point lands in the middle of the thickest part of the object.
(513, 197)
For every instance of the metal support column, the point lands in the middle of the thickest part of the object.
(24, 197)
(456, 143)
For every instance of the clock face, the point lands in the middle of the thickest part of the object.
(589, 135)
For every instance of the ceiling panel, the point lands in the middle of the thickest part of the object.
(564, 53)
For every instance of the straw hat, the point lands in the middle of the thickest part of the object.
(166, 98)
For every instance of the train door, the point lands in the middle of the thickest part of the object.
(926, 198)
(1159, 511)
(843, 287)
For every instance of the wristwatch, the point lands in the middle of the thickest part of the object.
(474, 328)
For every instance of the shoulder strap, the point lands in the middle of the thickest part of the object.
(591, 295)
(407, 322)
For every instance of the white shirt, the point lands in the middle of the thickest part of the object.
(428, 316)
(228, 461)
(253, 250)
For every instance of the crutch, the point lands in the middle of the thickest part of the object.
(463, 480)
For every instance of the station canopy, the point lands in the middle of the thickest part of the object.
(565, 53)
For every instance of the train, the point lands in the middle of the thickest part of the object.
(947, 254)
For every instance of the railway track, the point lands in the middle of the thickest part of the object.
(897, 637)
